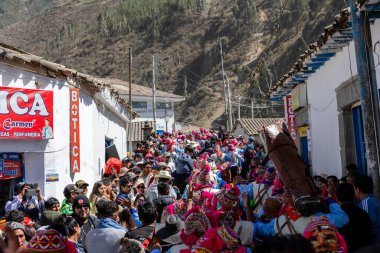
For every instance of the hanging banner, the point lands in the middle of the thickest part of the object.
(290, 118)
(26, 113)
(10, 166)
(74, 131)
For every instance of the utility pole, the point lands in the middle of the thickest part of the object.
(154, 95)
(230, 125)
(252, 115)
(130, 103)
(239, 100)
(166, 114)
(368, 92)
(185, 92)
(224, 86)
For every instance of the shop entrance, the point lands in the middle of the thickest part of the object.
(11, 172)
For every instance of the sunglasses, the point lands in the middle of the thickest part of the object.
(140, 187)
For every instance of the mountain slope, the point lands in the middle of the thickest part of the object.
(261, 39)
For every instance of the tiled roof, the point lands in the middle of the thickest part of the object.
(138, 90)
(137, 132)
(253, 126)
(16, 57)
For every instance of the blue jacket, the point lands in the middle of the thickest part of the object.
(110, 223)
(371, 205)
(184, 165)
(336, 216)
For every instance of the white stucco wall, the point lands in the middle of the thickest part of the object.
(323, 111)
(147, 114)
(96, 122)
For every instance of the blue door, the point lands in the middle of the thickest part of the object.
(359, 139)
(304, 149)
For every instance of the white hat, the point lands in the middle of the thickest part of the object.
(138, 182)
(164, 174)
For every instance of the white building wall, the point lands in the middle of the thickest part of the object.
(41, 156)
(147, 114)
(323, 111)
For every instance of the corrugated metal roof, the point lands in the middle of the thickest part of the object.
(137, 132)
(138, 90)
(12, 56)
(253, 126)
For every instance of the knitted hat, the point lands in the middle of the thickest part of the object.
(48, 240)
(15, 225)
(228, 197)
(195, 225)
(318, 224)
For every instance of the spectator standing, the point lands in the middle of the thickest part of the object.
(357, 232)
(74, 233)
(87, 222)
(52, 204)
(81, 184)
(30, 205)
(98, 191)
(107, 234)
(184, 166)
(70, 192)
(148, 214)
(364, 193)
(126, 193)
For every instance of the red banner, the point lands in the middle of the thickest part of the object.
(10, 166)
(26, 113)
(290, 118)
(74, 131)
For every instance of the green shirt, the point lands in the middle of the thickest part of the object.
(66, 207)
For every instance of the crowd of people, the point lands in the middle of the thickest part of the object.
(204, 191)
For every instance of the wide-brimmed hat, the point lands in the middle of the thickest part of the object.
(138, 182)
(170, 231)
(162, 164)
(164, 174)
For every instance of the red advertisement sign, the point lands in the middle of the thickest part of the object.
(26, 113)
(290, 118)
(74, 131)
(10, 166)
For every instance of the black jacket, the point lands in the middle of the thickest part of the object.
(357, 232)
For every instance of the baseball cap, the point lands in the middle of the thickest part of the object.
(71, 188)
(81, 200)
(168, 154)
(81, 183)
